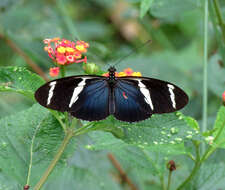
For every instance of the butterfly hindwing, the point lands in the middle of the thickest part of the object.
(130, 103)
(93, 102)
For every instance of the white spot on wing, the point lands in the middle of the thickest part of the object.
(172, 95)
(76, 92)
(50, 94)
(146, 93)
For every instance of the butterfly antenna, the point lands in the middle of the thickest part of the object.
(131, 52)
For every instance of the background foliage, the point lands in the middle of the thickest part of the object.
(113, 29)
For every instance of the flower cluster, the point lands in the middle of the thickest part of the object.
(124, 73)
(65, 52)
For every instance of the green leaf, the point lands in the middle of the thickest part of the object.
(165, 129)
(192, 123)
(212, 173)
(219, 127)
(78, 168)
(159, 129)
(143, 163)
(16, 133)
(20, 80)
(145, 6)
(146, 146)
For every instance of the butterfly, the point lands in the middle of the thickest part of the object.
(93, 98)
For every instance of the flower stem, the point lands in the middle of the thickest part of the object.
(63, 72)
(205, 93)
(211, 149)
(169, 179)
(61, 149)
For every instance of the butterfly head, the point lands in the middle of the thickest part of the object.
(112, 69)
(111, 77)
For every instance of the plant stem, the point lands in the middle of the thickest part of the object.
(211, 149)
(169, 179)
(123, 175)
(198, 160)
(83, 129)
(63, 72)
(55, 114)
(195, 169)
(61, 149)
(219, 17)
(205, 67)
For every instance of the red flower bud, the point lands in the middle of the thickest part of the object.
(26, 187)
(223, 98)
(171, 165)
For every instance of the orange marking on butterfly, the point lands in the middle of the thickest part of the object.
(124, 95)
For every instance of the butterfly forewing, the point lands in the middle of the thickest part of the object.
(62, 94)
(162, 97)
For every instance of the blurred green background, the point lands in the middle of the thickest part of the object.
(113, 29)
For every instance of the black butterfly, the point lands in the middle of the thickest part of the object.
(93, 98)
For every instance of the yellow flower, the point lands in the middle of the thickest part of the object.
(61, 49)
(121, 74)
(81, 48)
(70, 50)
(136, 74)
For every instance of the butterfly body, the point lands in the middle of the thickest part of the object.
(93, 98)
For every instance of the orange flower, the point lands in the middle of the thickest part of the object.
(56, 39)
(105, 74)
(54, 72)
(61, 60)
(126, 72)
(77, 55)
(47, 41)
(70, 58)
